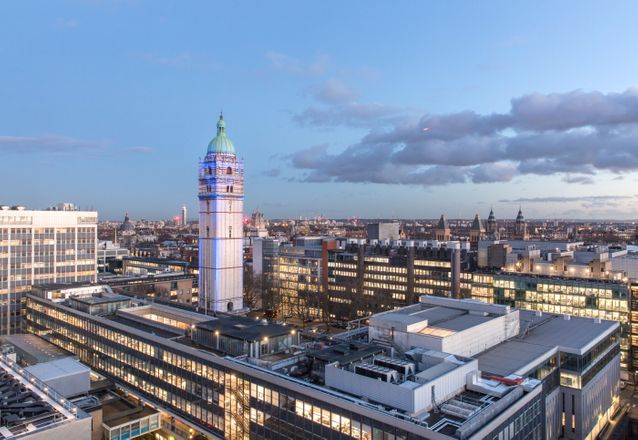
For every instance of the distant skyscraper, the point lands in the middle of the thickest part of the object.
(221, 211)
(183, 215)
(42, 247)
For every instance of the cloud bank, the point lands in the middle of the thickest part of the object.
(575, 134)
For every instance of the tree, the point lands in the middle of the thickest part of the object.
(253, 290)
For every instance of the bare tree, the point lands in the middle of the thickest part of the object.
(253, 290)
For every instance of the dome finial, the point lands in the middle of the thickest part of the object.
(221, 143)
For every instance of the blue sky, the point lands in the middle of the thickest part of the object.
(359, 108)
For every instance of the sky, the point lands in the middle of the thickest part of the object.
(402, 109)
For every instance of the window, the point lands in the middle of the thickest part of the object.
(229, 170)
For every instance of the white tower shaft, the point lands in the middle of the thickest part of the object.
(221, 212)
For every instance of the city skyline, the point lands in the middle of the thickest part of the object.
(504, 108)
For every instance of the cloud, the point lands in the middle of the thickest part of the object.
(294, 66)
(140, 149)
(575, 134)
(339, 107)
(333, 92)
(583, 180)
(566, 199)
(50, 144)
(273, 172)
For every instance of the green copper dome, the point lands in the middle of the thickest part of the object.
(221, 143)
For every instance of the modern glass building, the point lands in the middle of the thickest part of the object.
(42, 247)
(602, 299)
(238, 398)
(364, 279)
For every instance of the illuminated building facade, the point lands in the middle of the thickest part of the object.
(42, 247)
(300, 277)
(223, 397)
(572, 296)
(366, 279)
(221, 211)
(244, 398)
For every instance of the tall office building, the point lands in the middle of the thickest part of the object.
(221, 211)
(183, 215)
(38, 247)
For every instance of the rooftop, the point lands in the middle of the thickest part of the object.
(243, 328)
(221, 143)
(439, 317)
(34, 406)
(33, 349)
(541, 335)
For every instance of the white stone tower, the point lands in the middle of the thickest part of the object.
(221, 212)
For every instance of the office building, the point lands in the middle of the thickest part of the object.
(440, 369)
(364, 279)
(384, 231)
(345, 279)
(109, 255)
(221, 227)
(40, 247)
(301, 276)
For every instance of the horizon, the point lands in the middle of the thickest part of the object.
(518, 107)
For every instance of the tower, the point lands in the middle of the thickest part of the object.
(520, 227)
(442, 231)
(183, 215)
(221, 211)
(477, 232)
(491, 228)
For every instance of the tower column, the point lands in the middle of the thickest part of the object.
(221, 212)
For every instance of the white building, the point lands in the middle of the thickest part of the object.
(221, 211)
(42, 247)
(577, 359)
(184, 215)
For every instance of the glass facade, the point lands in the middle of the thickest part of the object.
(298, 283)
(32, 253)
(383, 282)
(579, 297)
(215, 394)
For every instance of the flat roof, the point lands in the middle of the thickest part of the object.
(462, 322)
(147, 328)
(116, 412)
(247, 329)
(440, 317)
(57, 368)
(540, 336)
(346, 352)
(35, 347)
(99, 299)
(575, 335)
(511, 357)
